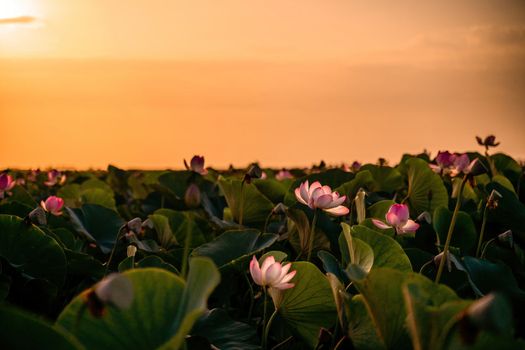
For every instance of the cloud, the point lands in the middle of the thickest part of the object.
(18, 20)
(501, 36)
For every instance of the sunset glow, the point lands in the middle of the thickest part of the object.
(157, 81)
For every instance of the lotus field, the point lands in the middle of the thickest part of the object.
(425, 254)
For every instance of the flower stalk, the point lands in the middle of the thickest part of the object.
(311, 238)
(267, 328)
(241, 204)
(186, 252)
(482, 230)
(451, 228)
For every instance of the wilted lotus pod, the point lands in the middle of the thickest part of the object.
(192, 196)
(131, 250)
(115, 289)
(360, 205)
(38, 216)
(506, 237)
(492, 313)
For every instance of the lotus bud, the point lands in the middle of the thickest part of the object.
(355, 166)
(192, 196)
(506, 237)
(135, 225)
(360, 205)
(397, 217)
(131, 251)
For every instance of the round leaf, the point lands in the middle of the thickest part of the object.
(309, 305)
(29, 250)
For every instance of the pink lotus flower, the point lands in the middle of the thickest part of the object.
(460, 164)
(443, 162)
(271, 274)
(197, 165)
(397, 217)
(53, 205)
(55, 177)
(283, 174)
(322, 197)
(6, 184)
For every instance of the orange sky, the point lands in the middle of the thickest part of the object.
(89, 82)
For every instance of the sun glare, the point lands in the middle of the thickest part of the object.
(17, 8)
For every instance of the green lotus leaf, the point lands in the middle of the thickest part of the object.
(30, 251)
(308, 306)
